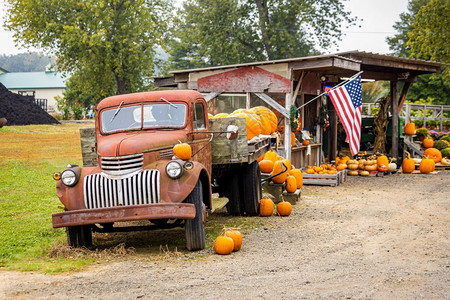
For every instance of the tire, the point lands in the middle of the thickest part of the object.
(251, 189)
(79, 236)
(232, 192)
(195, 231)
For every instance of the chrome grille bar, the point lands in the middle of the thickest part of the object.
(122, 165)
(142, 188)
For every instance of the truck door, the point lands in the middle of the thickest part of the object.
(199, 124)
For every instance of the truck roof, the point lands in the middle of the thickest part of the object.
(170, 95)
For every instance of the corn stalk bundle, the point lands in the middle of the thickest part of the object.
(381, 121)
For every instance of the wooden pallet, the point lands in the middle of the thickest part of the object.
(325, 179)
(438, 167)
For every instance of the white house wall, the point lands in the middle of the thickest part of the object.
(48, 94)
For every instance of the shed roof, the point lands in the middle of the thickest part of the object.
(33, 80)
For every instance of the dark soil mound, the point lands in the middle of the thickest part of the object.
(21, 110)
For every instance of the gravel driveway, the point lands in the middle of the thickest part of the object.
(373, 237)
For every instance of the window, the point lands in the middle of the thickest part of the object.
(199, 117)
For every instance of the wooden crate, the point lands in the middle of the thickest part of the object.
(325, 179)
(88, 149)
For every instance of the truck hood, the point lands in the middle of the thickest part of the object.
(137, 142)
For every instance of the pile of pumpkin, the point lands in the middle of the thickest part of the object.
(426, 166)
(229, 241)
(363, 166)
(272, 163)
(326, 169)
(438, 150)
(259, 120)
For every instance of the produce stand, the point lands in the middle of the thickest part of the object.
(300, 158)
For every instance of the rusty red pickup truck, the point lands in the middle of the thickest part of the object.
(136, 176)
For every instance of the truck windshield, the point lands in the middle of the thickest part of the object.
(155, 115)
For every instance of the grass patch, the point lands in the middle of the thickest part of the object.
(28, 157)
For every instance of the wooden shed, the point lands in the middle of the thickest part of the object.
(282, 83)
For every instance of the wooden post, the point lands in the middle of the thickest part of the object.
(332, 132)
(287, 128)
(394, 111)
(248, 100)
(441, 123)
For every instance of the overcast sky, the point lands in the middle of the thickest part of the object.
(378, 17)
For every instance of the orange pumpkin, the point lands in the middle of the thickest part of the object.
(428, 143)
(382, 160)
(292, 139)
(310, 171)
(291, 184)
(408, 165)
(410, 128)
(341, 167)
(271, 155)
(427, 165)
(266, 166)
(269, 120)
(434, 154)
(266, 207)
(298, 177)
(277, 168)
(253, 126)
(287, 162)
(236, 236)
(223, 245)
(182, 151)
(260, 158)
(284, 209)
(305, 142)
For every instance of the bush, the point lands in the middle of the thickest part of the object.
(445, 152)
(418, 123)
(440, 145)
(422, 132)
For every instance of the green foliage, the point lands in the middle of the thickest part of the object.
(209, 32)
(24, 62)
(445, 152)
(440, 145)
(422, 132)
(421, 35)
(107, 44)
(446, 138)
(373, 91)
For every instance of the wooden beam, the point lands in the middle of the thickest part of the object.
(394, 111)
(297, 88)
(403, 95)
(273, 103)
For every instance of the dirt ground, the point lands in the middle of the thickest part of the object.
(370, 238)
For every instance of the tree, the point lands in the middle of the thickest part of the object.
(210, 32)
(108, 44)
(24, 62)
(423, 35)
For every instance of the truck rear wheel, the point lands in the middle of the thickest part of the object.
(79, 236)
(232, 192)
(195, 231)
(251, 189)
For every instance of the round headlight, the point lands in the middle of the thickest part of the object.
(69, 178)
(174, 169)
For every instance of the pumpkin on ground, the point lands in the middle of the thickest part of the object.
(266, 207)
(223, 245)
(408, 165)
(236, 236)
(410, 128)
(427, 165)
(182, 151)
(291, 184)
(428, 143)
(266, 166)
(284, 209)
(298, 177)
(434, 154)
(382, 160)
(277, 168)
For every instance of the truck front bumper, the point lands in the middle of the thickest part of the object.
(124, 213)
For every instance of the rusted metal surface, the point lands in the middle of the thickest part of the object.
(247, 79)
(124, 213)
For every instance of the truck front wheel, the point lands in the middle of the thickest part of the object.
(195, 231)
(79, 236)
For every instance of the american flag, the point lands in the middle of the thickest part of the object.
(347, 102)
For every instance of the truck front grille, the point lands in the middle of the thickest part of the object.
(122, 165)
(142, 188)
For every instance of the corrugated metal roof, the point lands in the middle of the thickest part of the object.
(266, 62)
(33, 80)
(341, 55)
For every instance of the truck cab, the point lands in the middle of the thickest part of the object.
(137, 176)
